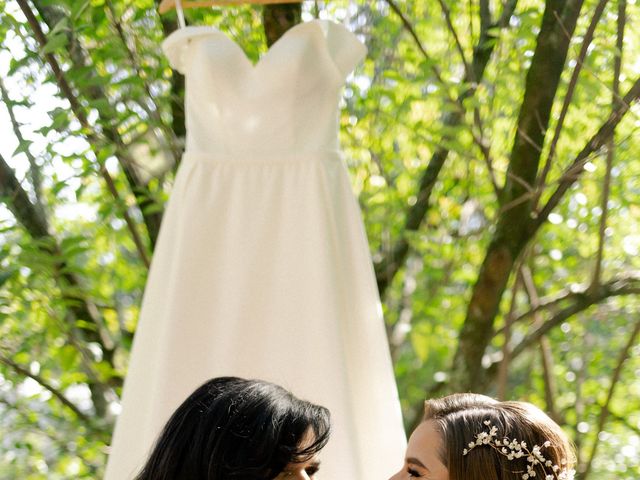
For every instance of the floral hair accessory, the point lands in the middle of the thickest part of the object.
(512, 449)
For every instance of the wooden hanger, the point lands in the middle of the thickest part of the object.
(167, 5)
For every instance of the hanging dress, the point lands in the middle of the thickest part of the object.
(262, 267)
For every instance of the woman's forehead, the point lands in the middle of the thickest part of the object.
(425, 446)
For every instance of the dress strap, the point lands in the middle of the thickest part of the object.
(180, 11)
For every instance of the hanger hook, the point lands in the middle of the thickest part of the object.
(181, 21)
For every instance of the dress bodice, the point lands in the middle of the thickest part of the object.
(286, 103)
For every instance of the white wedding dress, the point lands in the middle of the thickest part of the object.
(262, 267)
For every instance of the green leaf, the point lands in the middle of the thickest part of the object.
(21, 358)
(23, 147)
(5, 276)
(67, 357)
(100, 104)
(78, 9)
(55, 43)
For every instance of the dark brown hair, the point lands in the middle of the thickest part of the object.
(460, 417)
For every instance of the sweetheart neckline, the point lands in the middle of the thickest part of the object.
(210, 29)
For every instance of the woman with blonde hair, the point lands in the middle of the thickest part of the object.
(474, 437)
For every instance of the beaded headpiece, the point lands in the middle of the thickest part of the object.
(513, 449)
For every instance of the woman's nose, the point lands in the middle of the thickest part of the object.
(397, 476)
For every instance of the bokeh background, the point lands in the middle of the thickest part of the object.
(493, 146)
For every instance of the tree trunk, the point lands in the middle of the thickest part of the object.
(512, 229)
(279, 18)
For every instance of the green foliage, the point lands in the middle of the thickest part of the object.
(69, 300)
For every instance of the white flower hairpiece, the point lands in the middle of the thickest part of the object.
(513, 449)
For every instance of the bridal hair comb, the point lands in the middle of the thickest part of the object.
(512, 449)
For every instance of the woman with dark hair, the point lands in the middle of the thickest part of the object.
(474, 437)
(231, 428)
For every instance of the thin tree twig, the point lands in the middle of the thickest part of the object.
(47, 386)
(447, 17)
(606, 183)
(575, 296)
(503, 370)
(409, 27)
(586, 42)
(581, 377)
(109, 134)
(27, 416)
(546, 354)
(135, 64)
(614, 288)
(602, 136)
(481, 141)
(388, 267)
(455, 102)
(604, 411)
(82, 118)
(34, 169)
(525, 197)
(17, 200)
(624, 420)
(37, 227)
(470, 4)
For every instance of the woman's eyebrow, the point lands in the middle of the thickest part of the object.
(415, 461)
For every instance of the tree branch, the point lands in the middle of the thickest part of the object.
(481, 141)
(447, 17)
(50, 433)
(17, 201)
(511, 232)
(604, 411)
(153, 113)
(614, 288)
(503, 371)
(47, 386)
(82, 118)
(407, 25)
(581, 376)
(549, 304)
(606, 182)
(144, 199)
(34, 169)
(485, 15)
(546, 354)
(574, 171)
(586, 42)
(178, 124)
(392, 262)
(624, 420)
